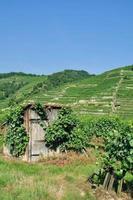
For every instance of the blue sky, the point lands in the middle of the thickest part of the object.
(45, 36)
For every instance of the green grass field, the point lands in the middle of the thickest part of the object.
(57, 178)
(42, 181)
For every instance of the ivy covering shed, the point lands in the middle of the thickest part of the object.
(26, 133)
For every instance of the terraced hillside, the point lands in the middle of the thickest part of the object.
(20, 87)
(110, 93)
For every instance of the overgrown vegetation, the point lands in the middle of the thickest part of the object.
(43, 181)
(40, 111)
(66, 133)
(119, 153)
(118, 144)
(118, 147)
(16, 137)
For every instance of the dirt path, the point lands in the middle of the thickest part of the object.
(114, 100)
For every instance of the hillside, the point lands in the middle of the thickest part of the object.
(108, 93)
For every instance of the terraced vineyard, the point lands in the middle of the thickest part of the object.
(107, 94)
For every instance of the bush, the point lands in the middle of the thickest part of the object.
(103, 126)
(16, 137)
(119, 149)
(66, 132)
(118, 143)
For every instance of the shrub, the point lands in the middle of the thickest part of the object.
(66, 132)
(16, 137)
(103, 126)
(119, 150)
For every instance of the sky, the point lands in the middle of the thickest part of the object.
(46, 36)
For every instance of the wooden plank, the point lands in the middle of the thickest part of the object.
(52, 115)
(119, 189)
(110, 186)
(106, 181)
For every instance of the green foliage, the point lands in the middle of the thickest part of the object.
(104, 125)
(16, 137)
(40, 111)
(119, 150)
(60, 78)
(118, 145)
(7, 75)
(67, 76)
(79, 139)
(66, 132)
(9, 88)
(17, 141)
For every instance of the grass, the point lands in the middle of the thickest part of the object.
(58, 178)
(41, 181)
(49, 179)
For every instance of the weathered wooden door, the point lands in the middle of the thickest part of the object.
(37, 145)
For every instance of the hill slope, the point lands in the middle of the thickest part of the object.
(108, 93)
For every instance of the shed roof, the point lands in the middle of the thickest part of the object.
(49, 105)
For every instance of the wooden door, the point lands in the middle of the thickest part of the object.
(37, 137)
